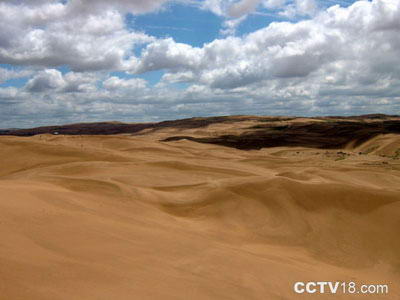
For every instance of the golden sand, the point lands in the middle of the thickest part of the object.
(130, 217)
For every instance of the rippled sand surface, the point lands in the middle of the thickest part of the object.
(130, 217)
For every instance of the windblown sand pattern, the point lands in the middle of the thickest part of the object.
(152, 215)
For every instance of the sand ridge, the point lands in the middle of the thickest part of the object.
(131, 217)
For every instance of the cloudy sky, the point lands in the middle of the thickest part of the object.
(148, 60)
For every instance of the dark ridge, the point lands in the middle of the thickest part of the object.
(360, 117)
(323, 135)
(81, 129)
(202, 122)
(108, 128)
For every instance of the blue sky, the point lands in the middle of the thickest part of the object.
(130, 60)
(185, 23)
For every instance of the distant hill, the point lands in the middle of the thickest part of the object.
(320, 132)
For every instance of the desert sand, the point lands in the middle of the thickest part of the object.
(133, 217)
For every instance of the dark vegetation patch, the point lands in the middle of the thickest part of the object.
(108, 128)
(360, 117)
(202, 122)
(81, 129)
(329, 135)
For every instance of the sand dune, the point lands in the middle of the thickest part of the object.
(131, 217)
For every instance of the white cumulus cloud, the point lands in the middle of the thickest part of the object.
(339, 60)
(53, 34)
